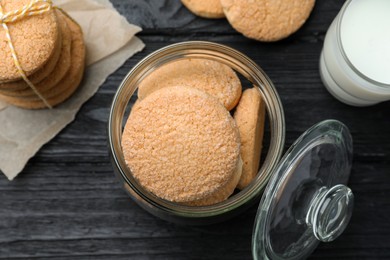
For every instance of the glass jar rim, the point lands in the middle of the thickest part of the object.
(238, 62)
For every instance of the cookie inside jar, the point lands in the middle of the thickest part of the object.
(194, 133)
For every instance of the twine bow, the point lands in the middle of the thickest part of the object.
(35, 7)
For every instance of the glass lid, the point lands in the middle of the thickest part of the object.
(306, 200)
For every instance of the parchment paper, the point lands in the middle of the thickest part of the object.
(110, 42)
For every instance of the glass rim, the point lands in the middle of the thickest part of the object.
(238, 62)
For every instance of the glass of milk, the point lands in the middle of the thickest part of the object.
(355, 60)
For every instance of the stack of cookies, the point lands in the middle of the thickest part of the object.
(50, 51)
(263, 20)
(193, 136)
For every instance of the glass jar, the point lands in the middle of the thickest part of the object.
(305, 201)
(355, 60)
(246, 68)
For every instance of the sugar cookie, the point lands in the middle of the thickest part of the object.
(47, 87)
(250, 116)
(71, 80)
(182, 145)
(267, 20)
(213, 77)
(42, 34)
(40, 74)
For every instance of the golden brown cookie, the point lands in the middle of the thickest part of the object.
(250, 116)
(205, 8)
(72, 78)
(47, 87)
(40, 74)
(35, 39)
(182, 145)
(213, 77)
(267, 20)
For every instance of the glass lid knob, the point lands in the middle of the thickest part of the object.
(330, 212)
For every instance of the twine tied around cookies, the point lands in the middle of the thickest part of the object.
(35, 7)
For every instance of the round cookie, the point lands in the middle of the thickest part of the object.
(40, 74)
(34, 38)
(47, 87)
(72, 78)
(182, 145)
(267, 20)
(205, 8)
(250, 116)
(213, 77)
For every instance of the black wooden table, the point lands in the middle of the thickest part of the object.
(67, 204)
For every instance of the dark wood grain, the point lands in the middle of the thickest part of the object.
(67, 204)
